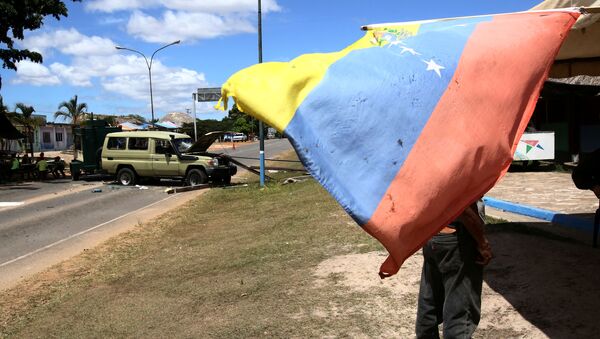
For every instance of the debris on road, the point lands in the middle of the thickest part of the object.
(172, 190)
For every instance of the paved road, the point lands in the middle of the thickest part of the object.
(61, 209)
(273, 147)
(37, 217)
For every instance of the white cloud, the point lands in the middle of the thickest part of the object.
(34, 74)
(171, 87)
(73, 75)
(95, 61)
(184, 19)
(218, 6)
(185, 26)
(118, 5)
(222, 6)
(70, 42)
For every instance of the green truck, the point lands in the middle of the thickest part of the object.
(90, 138)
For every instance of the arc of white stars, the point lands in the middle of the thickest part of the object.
(395, 42)
(433, 66)
(409, 50)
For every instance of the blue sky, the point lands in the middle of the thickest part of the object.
(218, 38)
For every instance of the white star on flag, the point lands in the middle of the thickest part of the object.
(409, 50)
(395, 42)
(433, 66)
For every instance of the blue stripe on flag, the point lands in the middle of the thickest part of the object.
(386, 96)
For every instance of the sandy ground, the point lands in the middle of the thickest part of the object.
(535, 287)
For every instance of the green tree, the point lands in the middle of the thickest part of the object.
(111, 120)
(19, 16)
(74, 111)
(205, 126)
(23, 115)
(3, 107)
(248, 126)
(4, 112)
(242, 124)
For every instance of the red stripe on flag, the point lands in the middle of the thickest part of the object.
(468, 143)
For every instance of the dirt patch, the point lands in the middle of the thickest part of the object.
(534, 288)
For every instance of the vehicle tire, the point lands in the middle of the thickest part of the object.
(195, 177)
(126, 177)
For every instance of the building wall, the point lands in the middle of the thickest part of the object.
(53, 137)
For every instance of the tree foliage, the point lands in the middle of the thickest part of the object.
(72, 110)
(205, 126)
(18, 16)
(242, 122)
(23, 115)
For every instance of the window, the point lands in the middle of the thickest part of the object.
(46, 137)
(162, 146)
(183, 144)
(116, 143)
(138, 144)
(59, 136)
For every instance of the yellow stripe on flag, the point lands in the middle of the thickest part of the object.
(273, 91)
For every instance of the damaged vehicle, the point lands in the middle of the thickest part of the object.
(131, 156)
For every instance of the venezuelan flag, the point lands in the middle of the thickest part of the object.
(413, 122)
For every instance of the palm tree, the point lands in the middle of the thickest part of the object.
(26, 119)
(74, 111)
(4, 112)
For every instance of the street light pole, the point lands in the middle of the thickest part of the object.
(149, 65)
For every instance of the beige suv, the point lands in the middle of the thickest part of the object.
(154, 154)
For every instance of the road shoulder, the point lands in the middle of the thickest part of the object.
(27, 265)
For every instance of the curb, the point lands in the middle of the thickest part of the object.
(540, 213)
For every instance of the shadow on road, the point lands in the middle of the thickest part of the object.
(18, 186)
(550, 280)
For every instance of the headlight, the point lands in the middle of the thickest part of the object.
(215, 162)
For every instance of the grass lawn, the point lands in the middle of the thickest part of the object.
(233, 263)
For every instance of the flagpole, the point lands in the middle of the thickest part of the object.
(583, 10)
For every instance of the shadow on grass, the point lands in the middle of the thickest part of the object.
(550, 280)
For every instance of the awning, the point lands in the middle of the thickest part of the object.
(580, 85)
(167, 125)
(583, 39)
(128, 126)
(7, 130)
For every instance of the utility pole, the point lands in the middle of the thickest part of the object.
(261, 136)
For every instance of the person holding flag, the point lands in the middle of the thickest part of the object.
(452, 277)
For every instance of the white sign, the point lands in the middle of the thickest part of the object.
(535, 146)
